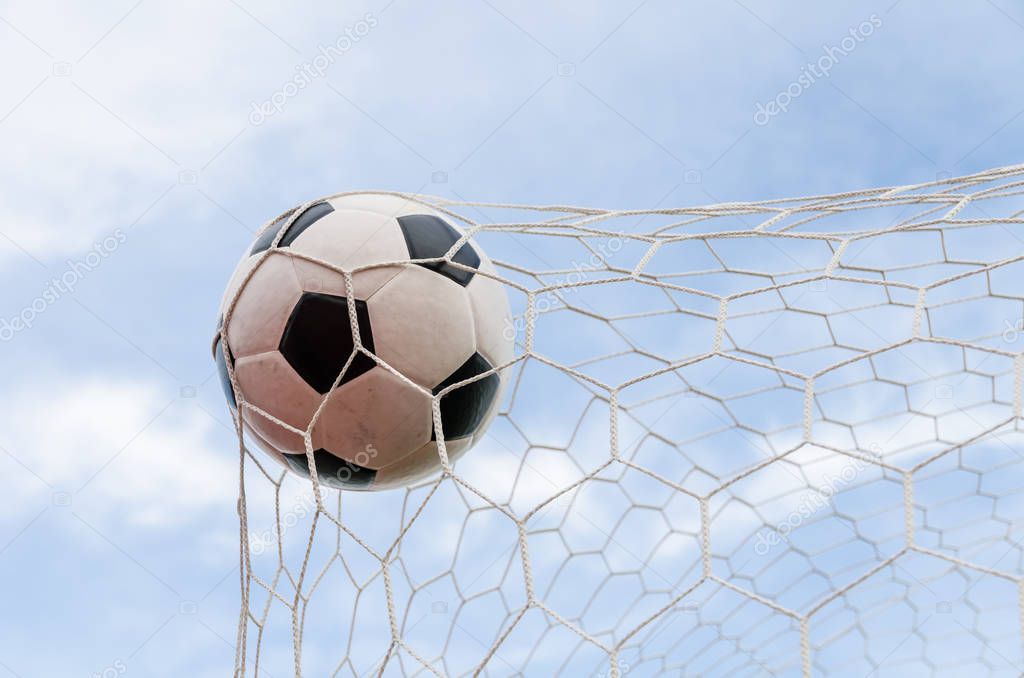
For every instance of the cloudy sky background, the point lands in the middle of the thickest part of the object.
(134, 121)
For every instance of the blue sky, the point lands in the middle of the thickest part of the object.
(132, 121)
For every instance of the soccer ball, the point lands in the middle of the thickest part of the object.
(293, 341)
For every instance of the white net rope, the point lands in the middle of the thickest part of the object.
(766, 438)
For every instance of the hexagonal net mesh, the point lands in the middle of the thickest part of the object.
(766, 438)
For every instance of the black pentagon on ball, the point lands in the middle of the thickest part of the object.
(464, 409)
(332, 471)
(266, 238)
(309, 216)
(430, 237)
(317, 340)
(222, 370)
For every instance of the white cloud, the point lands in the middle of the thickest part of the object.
(92, 136)
(122, 448)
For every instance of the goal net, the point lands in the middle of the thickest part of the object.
(757, 438)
